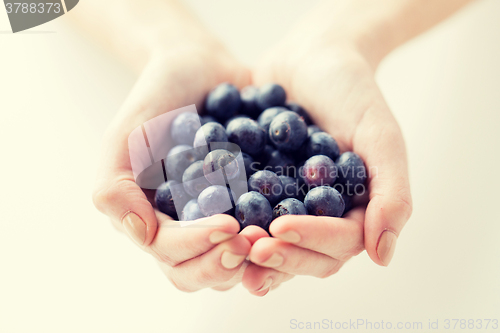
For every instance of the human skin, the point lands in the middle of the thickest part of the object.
(327, 64)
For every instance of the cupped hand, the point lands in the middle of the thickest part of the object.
(335, 83)
(210, 253)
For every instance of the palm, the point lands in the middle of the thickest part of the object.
(337, 88)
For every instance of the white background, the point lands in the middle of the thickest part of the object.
(63, 268)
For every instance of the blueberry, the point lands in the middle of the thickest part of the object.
(300, 111)
(223, 101)
(289, 206)
(253, 208)
(292, 188)
(247, 134)
(268, 184)
(262, 159)
(179, 158)
(351, 173)
(208, 133)
(288, 131)
(249, 106)
(250, 165)
(280, 163)
(319, 170)
(169, 195)
(267, 117)
(324, 201)
(235, 117)
(216, 200)
(311, 129)
(348, 202)
(191, 211)
(207, 119)
(270, 95)
(220, 166)
(194, 180)
(322, 143)
(184, 127)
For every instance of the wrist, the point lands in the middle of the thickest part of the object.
(165, 40)
(372, 29)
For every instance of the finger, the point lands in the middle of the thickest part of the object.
(253, 233)
(174, 244)
(259, 280)
(210, 269)
(126, 204)
(339, 238)
(288, 258)
(380, 143)
(116, 193)
(234, 280)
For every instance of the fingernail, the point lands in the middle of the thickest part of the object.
(274, 261)
(289, 237)
(386, 246)
(266, 284)
(230, 260)
(135, 228)
(217, 237)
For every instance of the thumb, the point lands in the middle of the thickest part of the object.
(128, 207)
(118, 195)
(380, 143)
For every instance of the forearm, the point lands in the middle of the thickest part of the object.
(376, 27)
(136, 29)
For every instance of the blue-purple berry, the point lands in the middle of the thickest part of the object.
(223, 102)
(249, 105)
(300, 111)
(319, 170)
(194, 180)
(324, 201)
(210, 133)
(268, 184)
(170, 195)
(191, 211)
(179, 158)
(184, 128)
(253, 208)
(220, 166)
(216, 199)
(247, 134)
(288, 131)
(290, 206)
(267, 116)
(322, 143)
(270, 95)
(351, 173)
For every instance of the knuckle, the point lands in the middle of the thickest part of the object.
(404, 202)
(100, 197)
(356, 250)
(108, 197)
(180, 286)
(103, 195)
(333, 269)
(206, 277)
(163, 258)
(352, 252)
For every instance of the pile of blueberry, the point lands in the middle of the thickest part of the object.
(255, 157)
